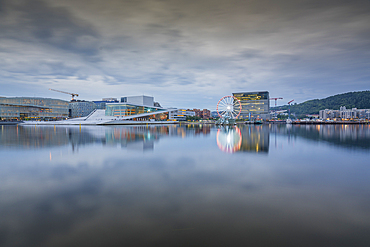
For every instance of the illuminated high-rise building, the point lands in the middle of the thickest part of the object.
(255, 105)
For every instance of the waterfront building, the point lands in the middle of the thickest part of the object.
(180, 114)
(348, 113)
(344, 113)
(137, 108)
(255, 105)
(138, 100)
(81, 108)
(204, 114)
(120, 113)
(100, 104)
(329, 114)
(32, 108)
(363, 113)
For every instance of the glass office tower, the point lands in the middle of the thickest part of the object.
(255, 105)
(26, 108)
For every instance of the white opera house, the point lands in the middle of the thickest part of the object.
(131, 110)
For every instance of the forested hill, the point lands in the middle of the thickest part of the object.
(359, 100)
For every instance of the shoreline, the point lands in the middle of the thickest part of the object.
(97, 123)
(334, 122)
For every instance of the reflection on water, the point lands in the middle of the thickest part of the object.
(229, 138)
(243, 138)
(305, 191)
(351, 136)
(250, 138)
(137, 137)
(255, 138)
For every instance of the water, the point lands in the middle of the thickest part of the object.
(189, 185)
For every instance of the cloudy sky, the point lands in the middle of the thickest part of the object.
(185, 53)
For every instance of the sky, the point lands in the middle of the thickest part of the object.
(184, 53)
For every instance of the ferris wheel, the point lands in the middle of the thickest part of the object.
(229, 107)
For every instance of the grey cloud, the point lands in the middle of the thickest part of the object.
(38, 69)
(174, 33)
(58, 68)
(221, 46)
(37, 21)
(250, 53)
(13, 86)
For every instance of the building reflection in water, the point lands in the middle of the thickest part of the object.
(352, 136)
(243, 138)
(132, 137)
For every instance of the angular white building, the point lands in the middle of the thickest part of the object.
(133, 110)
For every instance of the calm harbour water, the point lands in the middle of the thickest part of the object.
(267, 185)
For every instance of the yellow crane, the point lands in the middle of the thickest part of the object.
(73, 94)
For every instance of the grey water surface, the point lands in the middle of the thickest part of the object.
(185, 185)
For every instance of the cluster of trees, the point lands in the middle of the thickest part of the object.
(192, 118)
(359, 100)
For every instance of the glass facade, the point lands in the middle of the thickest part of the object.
(255, 105)
(24, 108)
(124, 110)
(102, 103)
(81, 108)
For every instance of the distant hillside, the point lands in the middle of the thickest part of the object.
(359, 100)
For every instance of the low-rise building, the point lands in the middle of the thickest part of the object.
(180, 114)
(344, 113)
(329, 114)
(204, 114)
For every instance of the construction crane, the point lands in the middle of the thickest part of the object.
(289, 106)
(275, 104)
(275, 100)
(73, 94)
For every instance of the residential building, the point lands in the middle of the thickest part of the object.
(363, 113)
(329, 114)
(204, 114)
(344, 113)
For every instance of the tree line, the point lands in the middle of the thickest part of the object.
(359, 100)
